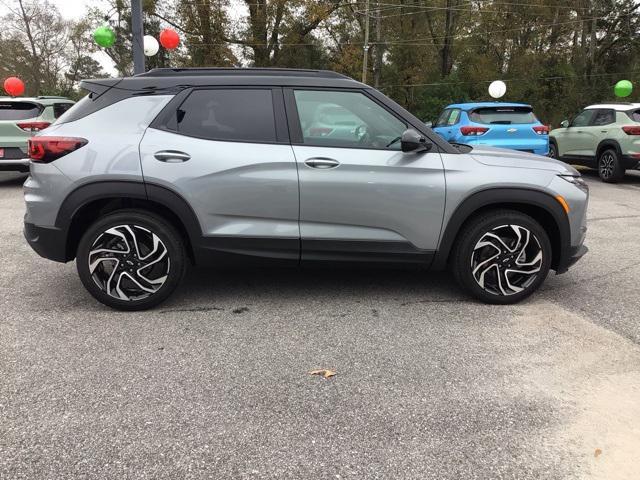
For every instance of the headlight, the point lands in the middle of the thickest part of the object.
(577, 180)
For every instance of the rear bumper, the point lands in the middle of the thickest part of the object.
(630, 163)
(48, 242)
(14, 165)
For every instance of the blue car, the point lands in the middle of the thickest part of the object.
(498, 124)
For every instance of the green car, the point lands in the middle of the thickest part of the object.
(21, 118)
(604, 136)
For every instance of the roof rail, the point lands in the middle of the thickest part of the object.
(206, 71)
(51, 96)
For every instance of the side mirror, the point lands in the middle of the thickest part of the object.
(413, 141)
(564, 124)
(428, 123)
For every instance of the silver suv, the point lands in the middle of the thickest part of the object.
(148, 174)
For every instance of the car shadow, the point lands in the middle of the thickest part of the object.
(12, 179)
(324, 284)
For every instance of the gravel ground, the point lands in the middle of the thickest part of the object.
(429, 385)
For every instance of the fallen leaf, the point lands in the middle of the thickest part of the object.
(597, 453)
(326, 373)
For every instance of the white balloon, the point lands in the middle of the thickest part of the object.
(497, 89)
(151, 46)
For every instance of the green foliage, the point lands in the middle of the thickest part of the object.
(557, 56)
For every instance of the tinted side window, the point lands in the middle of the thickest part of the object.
(60, 108)
(454, 117)
(346, 119)
(228, 114)
(603, 117)
(634, 115)
(443, 118)
(583, 118)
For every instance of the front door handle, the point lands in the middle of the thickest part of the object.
(172, 156)
(321, 162)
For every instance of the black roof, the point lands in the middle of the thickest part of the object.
(262, 72)
(163, 79)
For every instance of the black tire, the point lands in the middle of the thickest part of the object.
(609, 166)
(164, 254)
(553, 149)
(467, 257)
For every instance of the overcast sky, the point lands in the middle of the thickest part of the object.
(74, 9)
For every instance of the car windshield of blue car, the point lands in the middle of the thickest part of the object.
(503, 115)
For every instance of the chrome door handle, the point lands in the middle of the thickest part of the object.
(172, 156)
(321, 162)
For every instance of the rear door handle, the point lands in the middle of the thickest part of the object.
(172, 156)
(321, 162)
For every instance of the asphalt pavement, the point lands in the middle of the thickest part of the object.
(429, 384)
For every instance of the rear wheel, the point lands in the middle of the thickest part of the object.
(609, 166)
(501, 256)
(131, 260)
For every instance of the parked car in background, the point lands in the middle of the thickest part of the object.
(218, 166)
(604, 136)
(497, 124)
(21, 118)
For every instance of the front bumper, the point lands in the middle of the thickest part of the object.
(48, 242)
(572, 255)
(14, 165)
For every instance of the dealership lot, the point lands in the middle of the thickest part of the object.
(215, 383)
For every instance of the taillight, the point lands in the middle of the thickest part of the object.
(33, 126)
(48, 149)
(473, 131)
(632, 130)
(541, 130)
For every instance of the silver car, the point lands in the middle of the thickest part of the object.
(148, 174)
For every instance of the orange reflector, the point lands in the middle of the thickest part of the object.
(563, 202)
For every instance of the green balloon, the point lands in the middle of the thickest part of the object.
(623, 88)
(104, 36)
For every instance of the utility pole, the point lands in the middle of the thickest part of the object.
(138, 34)
(366, 45)
(377, 69)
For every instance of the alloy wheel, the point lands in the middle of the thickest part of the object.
(506, 260)
(129, 262)
(606, 165)
(552, 151)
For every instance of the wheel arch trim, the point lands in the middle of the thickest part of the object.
(128, 190)
(505, 198)
(607, 142)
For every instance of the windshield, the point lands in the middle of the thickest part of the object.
(503, 115)
(19, 110)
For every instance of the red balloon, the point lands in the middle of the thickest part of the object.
(14, 86)
(169, 38)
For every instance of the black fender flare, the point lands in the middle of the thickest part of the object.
(517, 198)
(128, 189)
(608, 143)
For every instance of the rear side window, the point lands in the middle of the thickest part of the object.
(228, 114)
(443, 118)
(603, 117)
(503, 115)
(454, 117)
(19, 110)
(60, 108)
(634, 115)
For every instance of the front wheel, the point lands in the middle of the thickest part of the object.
(553, 150)
(131, 260)
(501, 257)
